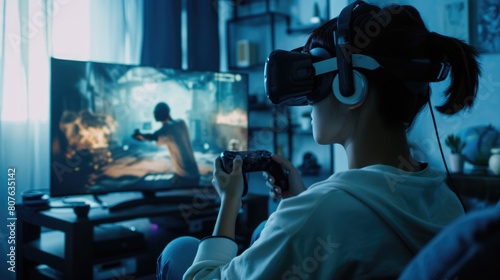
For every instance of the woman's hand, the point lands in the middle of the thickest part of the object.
(138, 136)
(228, 186)
(296, 185)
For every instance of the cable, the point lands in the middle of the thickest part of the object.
(452, 184)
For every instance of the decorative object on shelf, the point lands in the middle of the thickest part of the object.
(245, 53)
(485, 17)
(456, 19)
(251, 37)
(494, 161)
(309, 166)
(316, 17)
(305, 121)
(479, 140)
(456, 158)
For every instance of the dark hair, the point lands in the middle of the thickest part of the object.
(162, 112)
(399, 32)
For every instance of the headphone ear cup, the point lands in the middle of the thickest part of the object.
(360, 90)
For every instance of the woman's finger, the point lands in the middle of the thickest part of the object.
(277, 191)
(282, 161)
(270, 179)
(273, 195)
(270, 185)
(237, 162)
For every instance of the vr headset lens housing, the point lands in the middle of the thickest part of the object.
(289, 77)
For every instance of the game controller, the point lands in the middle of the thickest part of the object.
(260, 160)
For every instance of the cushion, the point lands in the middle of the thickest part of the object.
(468, 248)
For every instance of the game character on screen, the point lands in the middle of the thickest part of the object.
(174, 135)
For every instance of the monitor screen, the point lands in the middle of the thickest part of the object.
(131, 128)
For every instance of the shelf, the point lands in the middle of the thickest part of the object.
(483, 187)
(259, 66)
(50, 248)
(260, 107)
(259, 128)
(43, 272)
(71, 249)
(304, 29)
(248, 7)
(258, 16)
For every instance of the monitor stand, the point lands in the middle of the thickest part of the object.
(151, 198)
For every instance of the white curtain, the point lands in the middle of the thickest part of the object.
(24, 69)
(30, 32)
(24, 88)
(116, 30)
(98, 30)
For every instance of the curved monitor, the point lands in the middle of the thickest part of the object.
(106, 137)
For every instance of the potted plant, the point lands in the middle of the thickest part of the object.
(456, 158)
(305, 120)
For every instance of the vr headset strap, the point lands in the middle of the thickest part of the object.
(358, 61)
(417, 69)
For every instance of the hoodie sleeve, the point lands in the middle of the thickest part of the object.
(284, 244)
(213, 252)
(216, 257)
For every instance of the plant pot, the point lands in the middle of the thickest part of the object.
(456, 163)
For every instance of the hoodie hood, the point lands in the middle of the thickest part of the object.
(415, 205)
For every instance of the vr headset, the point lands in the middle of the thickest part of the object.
(298, 78)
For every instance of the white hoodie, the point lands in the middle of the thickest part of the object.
(359, 224)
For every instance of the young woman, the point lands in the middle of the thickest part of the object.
(367, 222)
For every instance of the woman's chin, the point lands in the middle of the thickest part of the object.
(324, 139)
(320, 140)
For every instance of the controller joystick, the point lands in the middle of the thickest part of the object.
(259, 160)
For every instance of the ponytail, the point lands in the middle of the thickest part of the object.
(465, 72)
